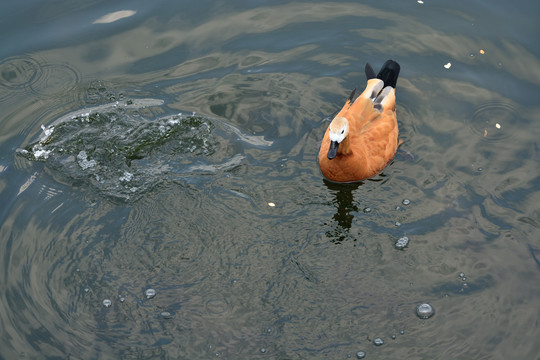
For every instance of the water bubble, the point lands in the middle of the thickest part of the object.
(401, 332)
(150, 293)
(86, 290)
(166, 315)
(424, 311)
(393, 336)
(401, 243)
(378, 342)
(398, 223)
(107, 303)
(461, 274)
(122, 299)
(360, 354)
(367, 210)
(263, 350)
(406, 202)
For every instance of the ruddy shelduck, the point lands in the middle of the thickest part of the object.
(363, 137)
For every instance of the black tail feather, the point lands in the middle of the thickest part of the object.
(370, 73)
(389, 73)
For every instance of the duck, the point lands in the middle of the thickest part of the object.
(363, 137)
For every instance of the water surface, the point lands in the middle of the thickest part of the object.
(211, 195)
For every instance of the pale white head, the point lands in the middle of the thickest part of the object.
(338, 131)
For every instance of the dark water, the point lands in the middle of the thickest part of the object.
(177, 195)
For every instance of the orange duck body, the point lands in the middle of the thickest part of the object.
(363, 137)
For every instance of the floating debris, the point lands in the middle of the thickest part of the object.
(448, 65)
(482, 52)
(271, 204)
(424, 311)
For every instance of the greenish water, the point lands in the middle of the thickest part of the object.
(173, 147)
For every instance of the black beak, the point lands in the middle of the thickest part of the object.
(332, 152)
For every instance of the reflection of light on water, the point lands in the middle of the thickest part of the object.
(114, 16)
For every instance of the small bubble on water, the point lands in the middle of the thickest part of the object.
(360, 354)
(461, 274)
(269, 330)
(122, 299)
(166, 315)
(424, 311)
(406, 202)
(367, 210)
(398, 223)
(393, 336)
(150, 293)
(263, 350)
(401, 332)
(378, 342)
(86, 290)
(401, 243)
(107, 303)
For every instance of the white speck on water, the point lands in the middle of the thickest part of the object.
(378, 342)
(360, 354)
(367, 210)
(107, 303)
(39, 152)
(150, 293)
(47, 131)
(406, 202)
(126, 177)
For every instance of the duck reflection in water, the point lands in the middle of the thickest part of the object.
(345, 209)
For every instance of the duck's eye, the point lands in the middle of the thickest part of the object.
(342, 131)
